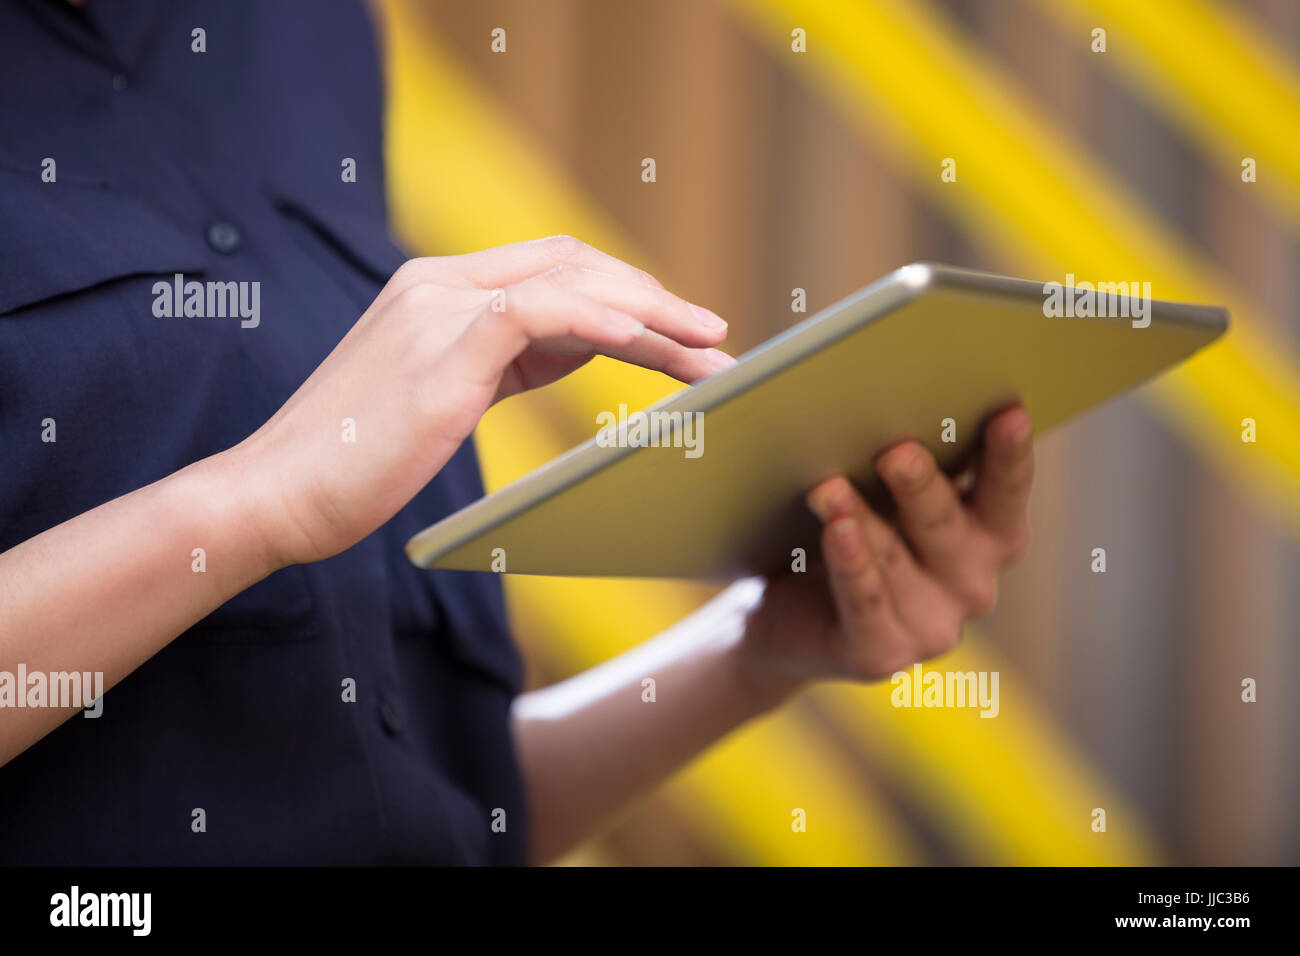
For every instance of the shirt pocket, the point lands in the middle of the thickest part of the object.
(347, 240)
(468, 606)
(276, 609)
(61, 238)
(76, 261)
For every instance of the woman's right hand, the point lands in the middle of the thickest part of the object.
(445, 339)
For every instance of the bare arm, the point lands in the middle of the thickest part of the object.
(592, 744)
(443, 340)
(108, 589)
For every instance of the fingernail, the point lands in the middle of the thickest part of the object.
(827, 499)
(910, 468)
(819, 504)
(1023, 432)
(845, 538)
(708, 319)
(719, 359)
(625, 323)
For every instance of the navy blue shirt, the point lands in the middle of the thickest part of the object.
(227, 165)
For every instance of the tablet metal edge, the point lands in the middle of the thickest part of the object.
(813, 334)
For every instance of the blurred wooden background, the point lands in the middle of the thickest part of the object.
(765, 183)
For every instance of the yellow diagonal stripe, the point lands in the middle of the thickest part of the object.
(981, 778)
(1027, 187)
(432, 106)
(1207, 67)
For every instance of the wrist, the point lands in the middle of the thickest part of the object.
(226, 494)
(767, 679)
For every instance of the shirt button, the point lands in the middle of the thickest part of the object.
(119, 81)
(224, 237)
(389, 717)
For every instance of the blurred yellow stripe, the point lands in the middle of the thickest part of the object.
(431, 105)
(1214, 73)
(1027, 187)
(994, 785)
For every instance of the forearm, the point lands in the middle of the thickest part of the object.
(592, 744)
(106, 590)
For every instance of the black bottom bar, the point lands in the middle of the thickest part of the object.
(330, 906)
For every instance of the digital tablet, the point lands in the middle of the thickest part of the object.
(709, 483)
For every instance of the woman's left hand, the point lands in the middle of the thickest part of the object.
(888, 594)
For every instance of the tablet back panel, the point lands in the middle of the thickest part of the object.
(924, 344)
